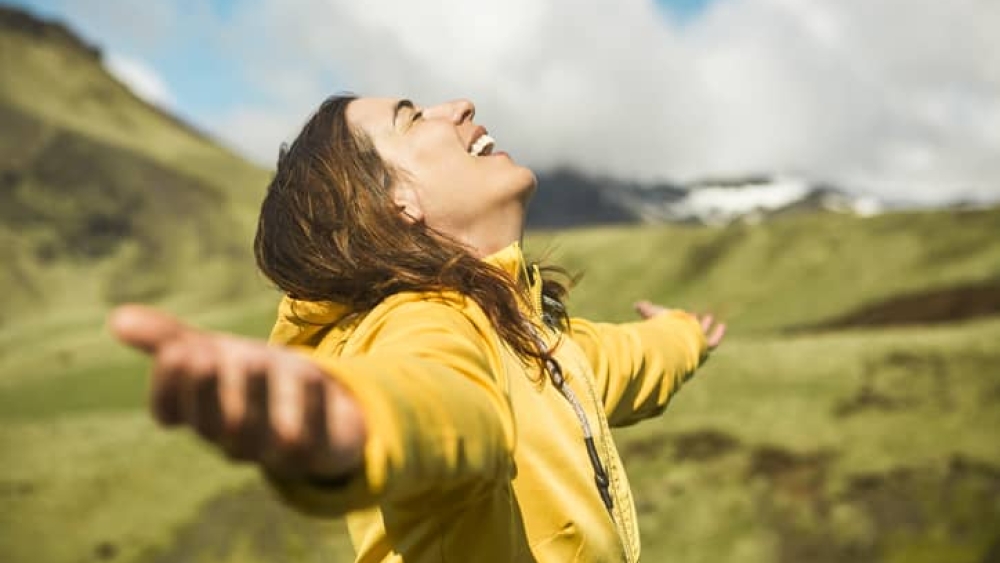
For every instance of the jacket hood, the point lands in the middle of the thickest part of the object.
(303, 323)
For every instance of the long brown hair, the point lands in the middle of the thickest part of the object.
(330, 231)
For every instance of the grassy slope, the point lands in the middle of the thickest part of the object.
(785, 447)
(79, 153)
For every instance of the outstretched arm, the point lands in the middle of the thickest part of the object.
(640, 365)
(415, 408)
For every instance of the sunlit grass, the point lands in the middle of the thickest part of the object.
(75, 482)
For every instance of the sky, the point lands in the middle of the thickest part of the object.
(897, 98)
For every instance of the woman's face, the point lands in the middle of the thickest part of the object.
(451, 177)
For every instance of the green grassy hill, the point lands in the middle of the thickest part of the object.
(818, 432)
(104, 198)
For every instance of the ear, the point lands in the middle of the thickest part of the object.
(408, 202)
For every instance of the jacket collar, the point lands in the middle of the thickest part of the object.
(511, 260)
(301, 322)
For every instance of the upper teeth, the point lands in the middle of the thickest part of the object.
(481, 144)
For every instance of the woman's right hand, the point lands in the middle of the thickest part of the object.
(257, 403)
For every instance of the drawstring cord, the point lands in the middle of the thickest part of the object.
(556, 375)
(600, 475)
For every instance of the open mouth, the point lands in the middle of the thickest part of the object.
(482, 146)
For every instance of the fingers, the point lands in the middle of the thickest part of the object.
(299, 443)
(706, 322)
(143, 327)
(714, 338)
(218, 386)
(303, 434)
(287, 442)
(247, 427)
(241, 387)
(647, 309)
(713, 331)
(169, 372)
(200, 402)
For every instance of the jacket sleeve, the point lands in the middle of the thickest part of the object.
(639, 366)
(436, 413)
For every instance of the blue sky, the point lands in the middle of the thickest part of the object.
(834, 90)
(200, 77)
(684, 8)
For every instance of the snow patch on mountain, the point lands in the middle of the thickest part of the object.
(752, 199)
(722, 204)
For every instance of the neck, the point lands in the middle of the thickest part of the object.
(506, 228)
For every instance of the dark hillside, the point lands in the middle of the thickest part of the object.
(12, 19)
(92, 198)
(933, 306)
(566, 198)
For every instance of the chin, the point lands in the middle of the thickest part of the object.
(528, 181)
(514, 183)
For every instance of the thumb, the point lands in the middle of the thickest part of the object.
(144, 327)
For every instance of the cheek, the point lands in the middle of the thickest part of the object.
(432, 161)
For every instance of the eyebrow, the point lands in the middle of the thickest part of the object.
(399, 107)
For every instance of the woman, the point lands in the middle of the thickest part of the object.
(423, 379)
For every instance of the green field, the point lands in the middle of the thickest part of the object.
(864, 444)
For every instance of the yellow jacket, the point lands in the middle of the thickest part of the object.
(471, 455)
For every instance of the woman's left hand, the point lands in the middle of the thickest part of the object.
(714, 330)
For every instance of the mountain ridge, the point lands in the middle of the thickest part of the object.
(569, 198)
(22, 21)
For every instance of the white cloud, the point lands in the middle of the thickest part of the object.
(141, 78)
(901, 97)
(258, 133)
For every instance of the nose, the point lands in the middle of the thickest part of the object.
(462, 110)
(457, 111)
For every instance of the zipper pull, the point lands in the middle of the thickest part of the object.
(600, 476)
